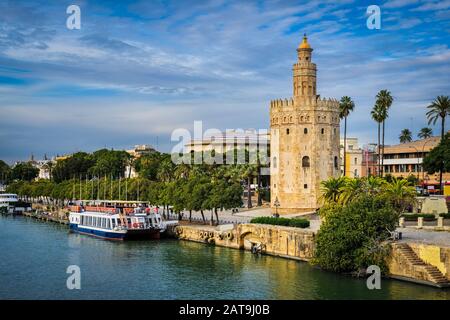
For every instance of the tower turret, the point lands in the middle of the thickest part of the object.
(304, 141)
(304, 71)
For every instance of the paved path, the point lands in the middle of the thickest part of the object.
(245, 215)
(425, 236)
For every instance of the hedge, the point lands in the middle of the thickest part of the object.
(425, 216)
(295, 222)
(445, 215)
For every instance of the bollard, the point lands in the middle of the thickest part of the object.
(440, 222)
(401, 222)
(420, 222)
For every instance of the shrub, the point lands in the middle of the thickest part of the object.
(413, 217)
(295, 222)
(445, 215)
(353, 236)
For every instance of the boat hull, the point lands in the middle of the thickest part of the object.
(137, 234)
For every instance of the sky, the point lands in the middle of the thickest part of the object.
(137, 70)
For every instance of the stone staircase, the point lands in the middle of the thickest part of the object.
(430, 272)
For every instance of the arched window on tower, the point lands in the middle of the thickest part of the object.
(305, 131)
(305, 162)
(336, 163)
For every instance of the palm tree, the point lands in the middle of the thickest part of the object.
(352, 189)
(384, 100)
(405, 136)
(374, 185)
(425, 133)
(378, 114)
(400, 194)
(439, 108)
(332, 188)
(346, 105)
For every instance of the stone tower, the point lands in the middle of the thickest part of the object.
(304, 140)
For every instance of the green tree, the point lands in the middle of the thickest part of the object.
(147, 165)
(5, 172)
(24, 171)
(352, 189)
(346, 105)
(109, 162)
(439, 157)
(75, 166)
(384, 100)
(405, 136)
(400, 194)
(425, 133)
(353, 236)
(379, 114)
(248, 172)
(439, 108)
(331, 189)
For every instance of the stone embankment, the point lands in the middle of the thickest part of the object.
(413, 262)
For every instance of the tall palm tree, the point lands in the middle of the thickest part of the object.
(425, 133)
(384, 99)
(346, 105)
(378, 114)
(405, 136)
(439, 108)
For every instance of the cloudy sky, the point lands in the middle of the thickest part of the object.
(137, 70)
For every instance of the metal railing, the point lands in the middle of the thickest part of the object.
(185, 217)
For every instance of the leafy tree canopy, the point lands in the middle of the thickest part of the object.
(437, 156)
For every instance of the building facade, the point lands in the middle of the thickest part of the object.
(360, 162)
(406, 159)
(230, 140)
(304, 140)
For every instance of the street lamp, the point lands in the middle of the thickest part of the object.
(276, 204)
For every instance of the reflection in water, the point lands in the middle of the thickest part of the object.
(35, 256)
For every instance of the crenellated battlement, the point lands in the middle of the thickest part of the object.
(319, 103)
(329, 103)
(280, 103)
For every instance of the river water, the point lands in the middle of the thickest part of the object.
(35, 256)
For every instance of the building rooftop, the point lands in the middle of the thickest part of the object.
(423, 145)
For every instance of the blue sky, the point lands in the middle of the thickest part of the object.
(137, 70)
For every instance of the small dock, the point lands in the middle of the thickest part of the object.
(45, 217)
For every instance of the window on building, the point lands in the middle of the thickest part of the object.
(287, 131)
(305, 162)
(274, 162)
(323, 130)
(305, 186)
(336, 163)
(356, 160)
(305, 131)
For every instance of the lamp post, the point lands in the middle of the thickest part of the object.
(276, 204)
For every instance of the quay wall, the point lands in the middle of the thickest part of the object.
(294, 243)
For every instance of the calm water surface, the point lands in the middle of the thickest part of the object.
(35, 256)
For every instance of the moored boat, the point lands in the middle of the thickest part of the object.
(114, 224)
